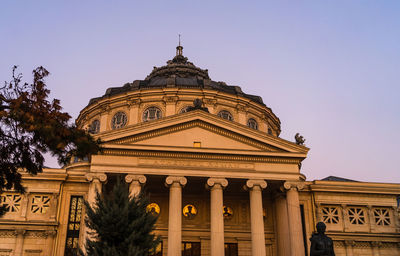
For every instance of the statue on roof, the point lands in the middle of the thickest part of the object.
(299, 139)
(321, 244)
(197, 104)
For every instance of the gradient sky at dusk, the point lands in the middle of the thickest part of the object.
(328, 69)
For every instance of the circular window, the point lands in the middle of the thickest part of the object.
(227, 212)
(151, 113)
(252, 123)
(225, 115)
(153, 208)
(119, 120)
(184, 109)
(189, 211)
(94, 127)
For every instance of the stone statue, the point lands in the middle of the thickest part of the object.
(321, 244)
(197, 104)
(299, 139)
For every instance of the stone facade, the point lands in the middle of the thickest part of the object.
(219, 183)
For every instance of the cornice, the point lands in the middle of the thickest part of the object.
(355, 187)
(183, 155)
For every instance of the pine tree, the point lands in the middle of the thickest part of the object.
(120, 225)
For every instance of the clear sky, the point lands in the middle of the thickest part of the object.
(328, 69)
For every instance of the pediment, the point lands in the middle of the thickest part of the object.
(188, 129)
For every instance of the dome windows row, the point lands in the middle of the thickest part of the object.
(120, 119)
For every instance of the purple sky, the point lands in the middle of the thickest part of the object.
(328, 69)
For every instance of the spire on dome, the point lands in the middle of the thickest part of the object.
(179, 48)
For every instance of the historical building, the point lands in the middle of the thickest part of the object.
(218, 175)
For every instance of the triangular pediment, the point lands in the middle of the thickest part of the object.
(198, 129)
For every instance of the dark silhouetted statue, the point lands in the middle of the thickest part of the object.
(321, 244)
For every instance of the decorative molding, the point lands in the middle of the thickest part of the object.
(96, 176)
(141, 179)
(170, 99)
(180, 155)
(175, 179)
(211, 182)
(8, 233)
(252, 183)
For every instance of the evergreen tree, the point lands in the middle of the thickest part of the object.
(120, 225)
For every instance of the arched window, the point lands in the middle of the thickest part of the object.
(184, 109)
(252, 123)
(119, 120)
(152, 113)
(225, 115)
(94, 127)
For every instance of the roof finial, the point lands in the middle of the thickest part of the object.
(179, 48)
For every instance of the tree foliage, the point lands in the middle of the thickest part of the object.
(120, 225)
(31, 125)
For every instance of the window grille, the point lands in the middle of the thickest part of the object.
(11, 202)
(74, 225)
(225, 115)
(357, 216)
(40, 204)
(151, 113)
(382, 217)
(330, 215)
(119, 120)
(252, 123)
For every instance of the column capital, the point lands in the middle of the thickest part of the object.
(175, 179)
(51, 233)
(295, 185)
(254, 182)
(349, 242)
(102, 177)
(20, 232)
(139, 178)
(213, 181)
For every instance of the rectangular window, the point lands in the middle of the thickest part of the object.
(231, 249)
(74, 225)
(158, 251)
(191, 249)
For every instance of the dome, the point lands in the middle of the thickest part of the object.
(178, 73)
(171, 90)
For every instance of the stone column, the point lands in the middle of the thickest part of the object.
(19, 242)
(135, 184)
(371, 219)
(175, 215)
(51, 234)
(349, 247)
(375, 247)
(53, 205)
(345, 215)
(95, 186)
(294, 216)
(396, 215)
(257, 220)
(318, 209)
(216, 185)
(282, 225)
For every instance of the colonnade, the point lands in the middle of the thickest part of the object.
(289, 236)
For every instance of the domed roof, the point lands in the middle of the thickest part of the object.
(180, 73)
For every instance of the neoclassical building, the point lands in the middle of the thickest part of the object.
(217, 173)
